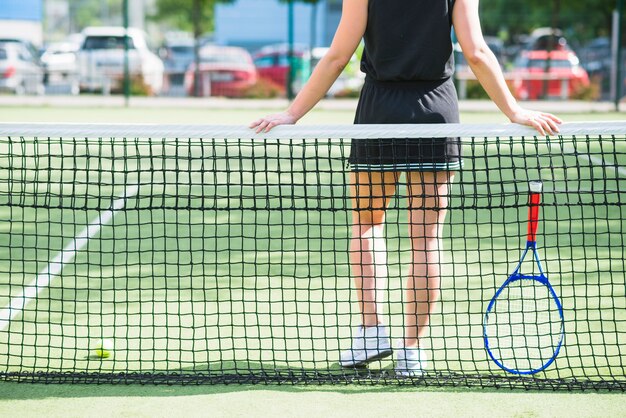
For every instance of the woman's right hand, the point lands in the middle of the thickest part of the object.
(266, 123)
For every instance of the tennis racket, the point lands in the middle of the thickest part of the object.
(523, 327)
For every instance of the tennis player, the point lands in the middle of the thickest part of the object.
(408, 64)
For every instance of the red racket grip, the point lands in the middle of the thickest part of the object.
(534, 200)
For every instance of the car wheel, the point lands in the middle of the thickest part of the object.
(20, 89)
(74, 88)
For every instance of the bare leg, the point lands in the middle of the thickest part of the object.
(428, 202)
(371, 193)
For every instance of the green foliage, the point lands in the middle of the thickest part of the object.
(580, 19)
(348, 94)
(138, 86)
(475, 90)
(264, 89)
(588, 93)
(85, 13)
(188, 15)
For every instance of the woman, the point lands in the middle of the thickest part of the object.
(408, 65)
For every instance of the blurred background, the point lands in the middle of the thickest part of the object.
(548, 49)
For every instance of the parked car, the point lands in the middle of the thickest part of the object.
(495, 45)
(59, 65)
(32, 49)
(351, 79)
(562, 74)
(272, 63)
(595, 56)
(20, 72)
(542, 39)
(224, 71)
(177, 54)
(101, 60)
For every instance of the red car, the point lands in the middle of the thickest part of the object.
(272, 63)
(224, 71)
(564, 78)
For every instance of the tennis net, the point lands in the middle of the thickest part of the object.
(210, 254)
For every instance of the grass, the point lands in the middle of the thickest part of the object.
(158, 115)
(237, 116)
(180, 290)
(289, 401)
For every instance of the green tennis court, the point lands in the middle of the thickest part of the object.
(228, 259)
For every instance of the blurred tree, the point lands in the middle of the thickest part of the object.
(580, 20)
(196, 16)
(83, 13)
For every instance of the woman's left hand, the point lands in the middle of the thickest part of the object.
(268, 122)
(544, 123)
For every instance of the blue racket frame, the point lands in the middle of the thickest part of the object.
(541, 278)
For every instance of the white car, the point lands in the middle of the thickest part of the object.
(20, 72)
(101, 60)
(59, 64)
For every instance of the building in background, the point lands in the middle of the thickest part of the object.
(253, 24)
(22, 19)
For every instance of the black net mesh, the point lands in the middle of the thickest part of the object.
(228, 260)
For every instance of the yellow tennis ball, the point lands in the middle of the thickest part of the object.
(103, 348)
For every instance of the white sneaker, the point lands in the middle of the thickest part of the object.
(410, 362)
(369, 344)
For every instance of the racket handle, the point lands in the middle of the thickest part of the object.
(534, 200)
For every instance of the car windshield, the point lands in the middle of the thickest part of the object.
(541, 63)
(106, 42)
(266, 62)
(278, 61)
(60, 49)
(182, 50)
(224, 58)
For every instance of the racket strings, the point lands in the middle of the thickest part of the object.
(524, 326)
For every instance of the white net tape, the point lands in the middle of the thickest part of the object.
(303, 131)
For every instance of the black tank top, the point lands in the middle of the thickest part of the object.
(408, 40)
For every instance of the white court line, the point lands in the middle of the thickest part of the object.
(600, 162)
(66, 255)
(43, 279)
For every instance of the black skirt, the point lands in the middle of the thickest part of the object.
(414, 102)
